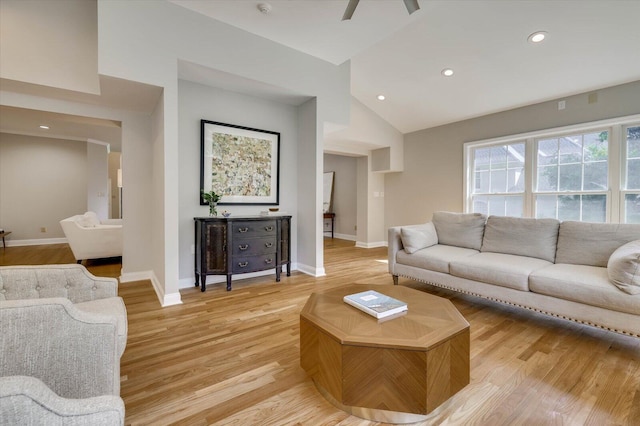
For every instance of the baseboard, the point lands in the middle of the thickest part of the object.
(371, 245)
(169, 299)
(342, 236)
(310, 270)
(35, 242)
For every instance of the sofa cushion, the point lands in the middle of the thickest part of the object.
(435, 258)
(87, 220)
(623, 267)
(459, 229)
(416, 237)
(506, 270)
(584, 243)
(521, 236)
(583, 284)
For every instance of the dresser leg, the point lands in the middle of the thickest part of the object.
(278, 272)
(228, 282)
(289, 269)
(203, 278)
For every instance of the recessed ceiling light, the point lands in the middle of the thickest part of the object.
(447, 72)
(44, 127)
(381, 97)
(537, 37)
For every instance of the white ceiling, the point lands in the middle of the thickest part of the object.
(591, 44)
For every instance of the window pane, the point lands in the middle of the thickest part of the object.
(595, 176)
(547, 152)
(548, 178)
(569, 207)
(570, 150)
(594, 208)
(496, 205)
(515, 180)
(632, 208)
(480, 204)
(498, 180)
(499, 157)
(513, 206)
(633, 158)
(546, 206)
(570, 177)
(482, 182)
(596, 146)
(482, 158)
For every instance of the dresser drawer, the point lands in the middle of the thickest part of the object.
(253, 263)
(250, 229)
(253, 246)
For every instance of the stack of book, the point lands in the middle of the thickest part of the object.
(375, 304)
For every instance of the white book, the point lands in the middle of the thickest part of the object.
(375, 304)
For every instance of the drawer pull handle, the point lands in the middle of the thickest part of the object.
(268, 245)
(268, 261)
(243, 246)
(243, 264)
(243, 230)
(268, 228)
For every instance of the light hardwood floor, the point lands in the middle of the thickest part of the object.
(232, 358)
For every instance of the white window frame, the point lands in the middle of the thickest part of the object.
(616, 153)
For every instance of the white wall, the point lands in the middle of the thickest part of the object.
(344, 195)
(98, 179)
(197, 102)
(42, 181)
(50, 43)
(433, 158)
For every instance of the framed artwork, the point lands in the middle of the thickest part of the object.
(239, 163)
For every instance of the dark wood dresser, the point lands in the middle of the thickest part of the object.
(237, 245)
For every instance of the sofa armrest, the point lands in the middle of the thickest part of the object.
(74, 353)
(73, 282)
(28, 401)
(112, 222)
(394, 246)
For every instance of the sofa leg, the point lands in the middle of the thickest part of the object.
(79, 261)
(395, 279)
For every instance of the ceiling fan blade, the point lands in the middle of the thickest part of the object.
(412, 6)
(351, 7)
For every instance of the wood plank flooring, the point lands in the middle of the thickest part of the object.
(232, 358)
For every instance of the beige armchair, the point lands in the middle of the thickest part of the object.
(62, 333)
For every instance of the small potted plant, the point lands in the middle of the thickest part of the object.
(212, 198)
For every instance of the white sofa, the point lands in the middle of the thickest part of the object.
(585, 272)
(91, 238)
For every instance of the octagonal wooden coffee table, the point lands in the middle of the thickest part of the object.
(393, 370)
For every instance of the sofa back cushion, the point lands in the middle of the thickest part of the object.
(459, 229)
(417, 237)
(521, 236)
(585, 243)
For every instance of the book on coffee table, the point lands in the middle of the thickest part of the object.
(375, 304)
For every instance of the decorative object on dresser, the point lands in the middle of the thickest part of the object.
(237, 245)
(241, 162)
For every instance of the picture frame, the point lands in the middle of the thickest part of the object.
(242, 164)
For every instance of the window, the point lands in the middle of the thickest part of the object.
(499, 180)
(572, 177)
(588, 172)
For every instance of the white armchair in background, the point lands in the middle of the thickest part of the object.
(91, 238)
